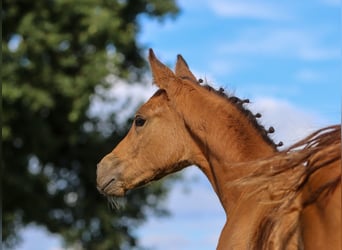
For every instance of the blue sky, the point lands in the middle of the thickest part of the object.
(288, 49)
(283, 55)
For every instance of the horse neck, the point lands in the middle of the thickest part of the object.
(226, 136)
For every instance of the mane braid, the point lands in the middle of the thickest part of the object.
(238, 103)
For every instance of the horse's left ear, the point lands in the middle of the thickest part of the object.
(182, 69)
(162, 75)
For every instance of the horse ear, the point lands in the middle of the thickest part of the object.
(162, 75)
(182, 69)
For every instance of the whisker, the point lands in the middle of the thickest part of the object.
(116, 203)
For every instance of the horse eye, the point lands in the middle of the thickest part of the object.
(139, 121)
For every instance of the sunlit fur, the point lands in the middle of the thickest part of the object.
(273, 200)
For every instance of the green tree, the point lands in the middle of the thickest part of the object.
(55, 53)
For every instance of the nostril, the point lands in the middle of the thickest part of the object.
(108, 184)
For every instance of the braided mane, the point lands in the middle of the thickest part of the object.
(239, 104)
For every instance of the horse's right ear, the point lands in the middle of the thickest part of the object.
(182, 69)
(162, 75)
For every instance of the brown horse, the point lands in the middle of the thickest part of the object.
(273, 200)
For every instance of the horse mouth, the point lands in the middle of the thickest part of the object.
(111, 188)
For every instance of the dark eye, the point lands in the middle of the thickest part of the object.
(139, 121)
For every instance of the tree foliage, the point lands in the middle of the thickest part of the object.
(55, 53)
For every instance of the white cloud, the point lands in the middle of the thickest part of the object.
(315, 52)
(248, 9)
(290, 122)
(222, 67)
(38, 238)
(334, 3)
(122, 98)
(296, 43)
(309, 75)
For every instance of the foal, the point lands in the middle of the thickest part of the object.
(186, 124)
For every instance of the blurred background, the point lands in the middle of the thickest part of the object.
(74, 72)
